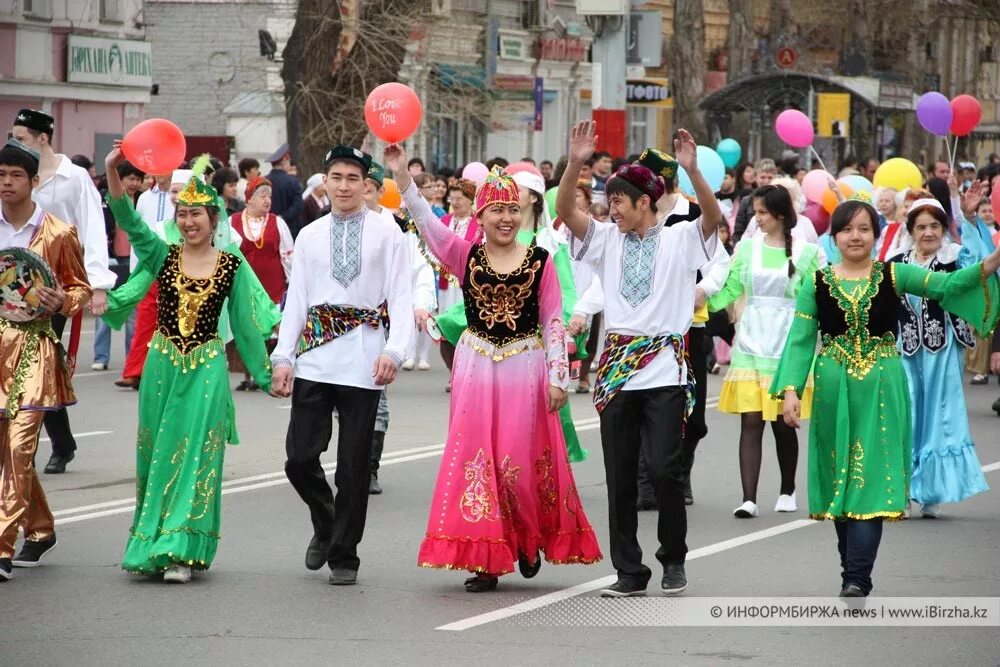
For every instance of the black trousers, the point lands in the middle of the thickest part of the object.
(57, 422)
(650, 421)
(696, 428)
(340, 519)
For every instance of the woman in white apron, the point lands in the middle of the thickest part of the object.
(769, 269)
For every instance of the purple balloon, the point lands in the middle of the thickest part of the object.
(934, 113)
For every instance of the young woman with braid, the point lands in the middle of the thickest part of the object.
(768, 268)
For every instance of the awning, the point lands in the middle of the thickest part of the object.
(791, 89)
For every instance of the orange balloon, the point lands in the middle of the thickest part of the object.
(390, 196)
(156, 146)
(830, 200)
(393, 112)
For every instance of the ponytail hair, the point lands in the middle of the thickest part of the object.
(778, 202)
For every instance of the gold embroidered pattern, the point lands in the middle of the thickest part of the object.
(206, 482)
(501, 303)
(805, 316)
(509, 474)
(494, 352)
(857, 470)
(856, 349)
(176, 460)
(191, 359)
(546, 485)
(478, 501)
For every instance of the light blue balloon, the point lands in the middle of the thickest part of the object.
(859, 182)
(712, 168)
(730, 152)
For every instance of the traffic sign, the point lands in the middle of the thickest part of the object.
(787, 57)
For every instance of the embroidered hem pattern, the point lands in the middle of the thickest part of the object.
(325, 323)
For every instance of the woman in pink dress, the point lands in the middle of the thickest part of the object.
(505, 491)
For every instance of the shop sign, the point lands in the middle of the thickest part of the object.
(112, 62)
(649, 92)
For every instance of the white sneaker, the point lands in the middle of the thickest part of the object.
(409, 364)
(906, 510)
(786, 503)
(930, 510)
(423, 365)
(98, 366)
(746, 511)
(178, 574)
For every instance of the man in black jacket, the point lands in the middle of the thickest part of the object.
(286, 191)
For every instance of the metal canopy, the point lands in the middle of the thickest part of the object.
(783, 91)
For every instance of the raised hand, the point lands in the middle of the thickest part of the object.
(395, 157)
(115, 157)
(686, 151)
(582, 141)
(972, 197)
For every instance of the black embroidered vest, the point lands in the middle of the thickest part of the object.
(929, 328)
(503, 307)
(188, 309)
(833, 319)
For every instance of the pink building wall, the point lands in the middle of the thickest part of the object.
(8, 50)
(78, 122)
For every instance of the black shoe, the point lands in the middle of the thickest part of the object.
(243, 386)
(624, 588)
(996, 407)
(6, 569)
(481, 584)
(674, 580)
(317, 553)
(253, 386)
(374, 488)
(852, 591)
(528, 570)
(32, 552)
(57, 463)
(645, 502)
(341, 576)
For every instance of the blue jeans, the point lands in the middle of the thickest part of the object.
(857, 542)
(102, 339)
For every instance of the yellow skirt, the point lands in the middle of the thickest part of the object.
(750, 392)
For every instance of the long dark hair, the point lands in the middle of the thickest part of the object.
(844, 213)
(778, 203)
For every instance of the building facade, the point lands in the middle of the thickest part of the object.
(88, 64)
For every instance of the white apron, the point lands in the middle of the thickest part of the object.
(767, 318)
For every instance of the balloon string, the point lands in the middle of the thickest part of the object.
(819, 159)
(954, 153)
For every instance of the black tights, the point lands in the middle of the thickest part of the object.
(751, 444)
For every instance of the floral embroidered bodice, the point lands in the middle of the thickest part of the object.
(188, 308)
(503, 307)
(928, 328)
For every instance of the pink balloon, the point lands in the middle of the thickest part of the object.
(794, 128)
(475, 172)
(815, 184)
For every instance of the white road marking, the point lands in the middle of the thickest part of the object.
(596, 584)
(86, 434)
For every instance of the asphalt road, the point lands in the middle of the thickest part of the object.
(258, 605)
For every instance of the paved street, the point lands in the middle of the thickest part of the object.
(259, 605)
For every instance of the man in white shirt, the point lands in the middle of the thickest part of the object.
(155, 205)
(67, 192)
(349, 268)
(643, 394)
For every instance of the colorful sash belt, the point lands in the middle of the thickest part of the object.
(325, 323)
(625, 355)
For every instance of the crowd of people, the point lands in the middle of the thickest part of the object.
(863, 321)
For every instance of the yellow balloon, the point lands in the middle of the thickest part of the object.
(898, 173)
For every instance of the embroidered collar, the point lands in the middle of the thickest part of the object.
(652, 232)
(349, 217)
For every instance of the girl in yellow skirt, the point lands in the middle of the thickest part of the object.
(768, 268)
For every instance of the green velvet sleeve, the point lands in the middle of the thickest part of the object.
(966, 292)
(247, 324)
(267, 314)
(800, 346)
(149, 248)
(732, 289)
(564, 273)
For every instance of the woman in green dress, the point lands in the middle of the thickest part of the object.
(860, 437)
(186, 413)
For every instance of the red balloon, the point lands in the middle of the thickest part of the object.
(966, 113)
(820, 218)
(393, 112)
(155, 146)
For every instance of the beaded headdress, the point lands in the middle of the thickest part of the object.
(498, 188)
(197, 192)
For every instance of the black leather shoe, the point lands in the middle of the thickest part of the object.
(31, 552)
(674, 579)
(996, 407)
(343, 577)
(57, 463)
(6, 569)
(317, 553)
(528, 570)
(624, 588)
(481, 584)
(852, 591)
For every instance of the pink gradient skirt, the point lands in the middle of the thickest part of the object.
(505, 486)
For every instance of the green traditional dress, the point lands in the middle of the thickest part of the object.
(452, 324)
(186, 413)
(860, 435)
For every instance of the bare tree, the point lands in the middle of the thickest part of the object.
(688, 66)
(332, 61)
(740, 41)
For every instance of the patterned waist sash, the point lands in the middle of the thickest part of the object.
(325, 323)
(626, 355)
(34, 331)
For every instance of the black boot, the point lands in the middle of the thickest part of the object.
(378, 443)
